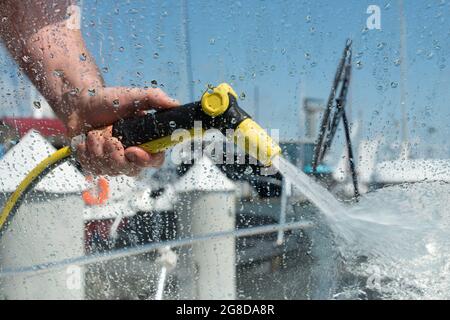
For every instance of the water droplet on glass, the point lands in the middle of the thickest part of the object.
(212, 41)
(83, 57)
(307, 56)
(121, 49)
(154, 83)
(58, 73)
(172, 124)
(394, 85)
(359, 64)
(397, 62)
(91, 92)
(242, 96)
(156, 55)
(381, 45)
(116, 103)
(74, 92)
(37, 104)
(248, 170)
(308, 19)
(105, 69)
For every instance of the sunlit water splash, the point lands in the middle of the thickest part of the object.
(403, 233)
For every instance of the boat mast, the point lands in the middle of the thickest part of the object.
(187, 49)
(403, 79)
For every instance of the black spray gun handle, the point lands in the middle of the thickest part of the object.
(217, 109)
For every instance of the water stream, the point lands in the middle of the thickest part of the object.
(403, 233)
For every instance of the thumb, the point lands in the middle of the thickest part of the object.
(126, 102)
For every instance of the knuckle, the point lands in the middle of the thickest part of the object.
(157, 93)
(91, 136)
(118, 158)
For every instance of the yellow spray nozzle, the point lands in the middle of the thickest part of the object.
(248, 134)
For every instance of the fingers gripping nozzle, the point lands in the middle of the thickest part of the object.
(217, 109)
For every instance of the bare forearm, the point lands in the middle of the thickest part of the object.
(45, 41)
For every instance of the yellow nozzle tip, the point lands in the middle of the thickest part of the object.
(255, 141)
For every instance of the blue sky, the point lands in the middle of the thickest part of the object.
(289, 49)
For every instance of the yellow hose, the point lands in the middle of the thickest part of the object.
(56, 157)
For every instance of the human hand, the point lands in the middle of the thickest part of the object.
(93, 113)
(50, 49)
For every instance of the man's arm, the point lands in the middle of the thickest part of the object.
(45, 39)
